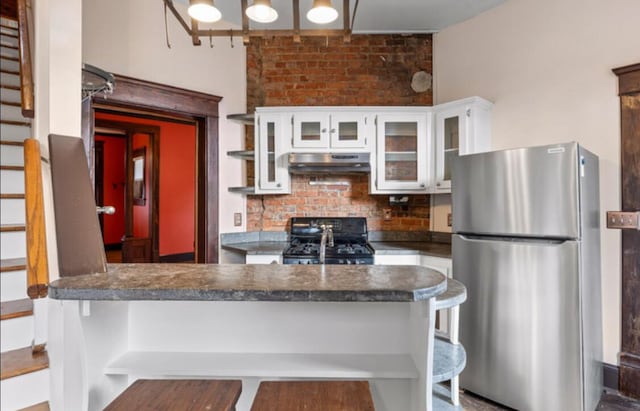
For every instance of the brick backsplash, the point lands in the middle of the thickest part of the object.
(272, 212)
(370, 70)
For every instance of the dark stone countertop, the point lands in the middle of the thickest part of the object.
(257, 247)
(429, 248)
(261, 282)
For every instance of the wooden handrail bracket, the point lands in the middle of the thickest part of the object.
(37, 268)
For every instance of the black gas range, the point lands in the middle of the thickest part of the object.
(328, 240)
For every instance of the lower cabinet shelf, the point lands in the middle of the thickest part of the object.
(448, 360)
(441, 399)
(348, 366)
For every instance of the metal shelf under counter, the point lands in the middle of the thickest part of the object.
(242, 190)
(242, 154)
(244, 118)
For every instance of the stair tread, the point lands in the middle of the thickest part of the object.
(13, 264)
(2, 56)
(14, 122)
(5, 228)
(16, 309)
(8, 86)
(6, 71)
(10, 103)
(11, 143)
(22, 361)
(12, 168)
(43, 406)
(12, 196)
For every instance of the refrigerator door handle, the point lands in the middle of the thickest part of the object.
(473, 237)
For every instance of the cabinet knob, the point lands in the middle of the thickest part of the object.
(278, 185)
(438, 184)
(333, 130)
(324, 130)
(422, 185)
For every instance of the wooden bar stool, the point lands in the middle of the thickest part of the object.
(449, 358)
(191, 395)
(313, 396)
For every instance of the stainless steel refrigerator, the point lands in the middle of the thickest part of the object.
(526, 244)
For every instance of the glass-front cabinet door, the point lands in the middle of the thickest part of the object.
(348, 130)
(451, 130)
(272, 175)
(310, 130)
(325, 129)
(402, 142)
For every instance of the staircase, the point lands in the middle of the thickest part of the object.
(24, 380)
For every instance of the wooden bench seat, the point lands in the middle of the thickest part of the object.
(313, 396)
(186, 395)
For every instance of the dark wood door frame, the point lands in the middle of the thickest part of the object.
(135, 95)
(629, 92)
(129, 130)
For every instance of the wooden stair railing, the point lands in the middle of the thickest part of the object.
(26, 66)
(37, 268)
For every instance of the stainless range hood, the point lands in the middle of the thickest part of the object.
(329, 163)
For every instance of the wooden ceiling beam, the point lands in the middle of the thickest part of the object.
(194, 29)
(245, 22)
(272, 33)
(296, 21)
(345, 22)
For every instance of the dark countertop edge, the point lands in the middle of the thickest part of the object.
(246, 295)
(442, 250)
(257, 247)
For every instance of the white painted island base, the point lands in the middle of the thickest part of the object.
(97, 348)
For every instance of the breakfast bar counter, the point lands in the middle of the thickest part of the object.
(249, 322)
(252, 282)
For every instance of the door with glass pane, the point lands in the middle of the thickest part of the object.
(402, 152)
(348, 130)
(451, 132)
(272, 175)
(310, 130)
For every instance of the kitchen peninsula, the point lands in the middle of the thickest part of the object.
(254, 322)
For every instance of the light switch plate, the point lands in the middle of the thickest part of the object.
(237, 219)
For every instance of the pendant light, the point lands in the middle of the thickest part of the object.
(204, 11)
(322, 12)
(262, 12)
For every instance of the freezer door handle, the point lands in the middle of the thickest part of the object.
(623, 220)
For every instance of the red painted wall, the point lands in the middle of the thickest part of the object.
(177, 205)
(114, 150)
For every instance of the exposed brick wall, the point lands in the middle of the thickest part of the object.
(371, 70)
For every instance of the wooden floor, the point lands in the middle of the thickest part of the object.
(610, 401)
(114, 256)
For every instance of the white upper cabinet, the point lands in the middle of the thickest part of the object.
(411, 148)
(403, 152)
(319, 128)
(462, 127)
(271, 172)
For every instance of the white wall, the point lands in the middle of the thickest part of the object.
(546, 64)
(128, 38)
